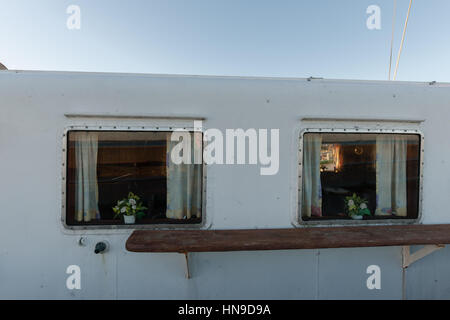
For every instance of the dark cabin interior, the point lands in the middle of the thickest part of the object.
(352, 169)
(127, 162)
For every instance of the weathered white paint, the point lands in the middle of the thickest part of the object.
(35, 249)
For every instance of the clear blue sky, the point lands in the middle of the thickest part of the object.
(284, 38)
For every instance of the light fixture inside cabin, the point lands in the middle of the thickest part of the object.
(358, 150)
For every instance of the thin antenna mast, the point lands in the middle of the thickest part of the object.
(403, 39)
(392, 38)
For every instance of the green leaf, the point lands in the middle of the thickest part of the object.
(364, 212)
(140, 215)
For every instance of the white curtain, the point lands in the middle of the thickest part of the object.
(86, 190)
(391, 174)
(312, 188)
(184, 181)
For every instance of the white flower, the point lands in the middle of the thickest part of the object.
(120, 202)
(350, 203)
(363, 206)
(123, 210)
(133, 207)
(132, 202)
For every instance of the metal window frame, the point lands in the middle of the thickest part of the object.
(128, 128)
(387, 221)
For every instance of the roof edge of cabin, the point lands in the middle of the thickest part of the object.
(206, 76)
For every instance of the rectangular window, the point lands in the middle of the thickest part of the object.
(113, 176)
(361, 176)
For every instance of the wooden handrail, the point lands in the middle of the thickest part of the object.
(283, 239)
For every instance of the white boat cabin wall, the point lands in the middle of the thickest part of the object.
(355, 186)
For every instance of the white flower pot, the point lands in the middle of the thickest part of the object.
(356, 217)
(129, 219)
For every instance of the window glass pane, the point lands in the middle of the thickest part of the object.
(360, 176)
(106, 167)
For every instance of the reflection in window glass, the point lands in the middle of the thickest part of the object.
(360, 176)
(110, 170)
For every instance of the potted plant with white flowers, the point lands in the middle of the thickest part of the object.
(130, 208)
(356, 207)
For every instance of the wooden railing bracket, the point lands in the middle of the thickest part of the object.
(188, 273)
(409, 258)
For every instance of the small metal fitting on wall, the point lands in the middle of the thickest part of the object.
(101, 247)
